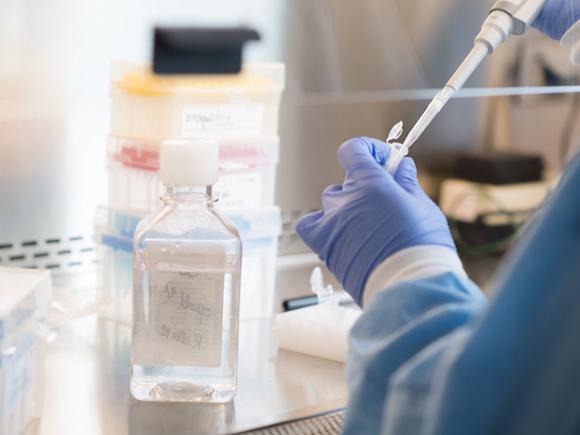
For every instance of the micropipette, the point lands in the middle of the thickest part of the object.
(506, 17)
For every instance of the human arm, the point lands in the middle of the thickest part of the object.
(396, 349)
(517, 373)
(510, 368)
(390, 247)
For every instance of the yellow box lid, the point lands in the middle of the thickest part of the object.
(139, 80)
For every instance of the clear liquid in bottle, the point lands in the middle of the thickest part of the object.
(185, 302)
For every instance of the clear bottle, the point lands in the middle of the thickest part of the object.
(186, 286)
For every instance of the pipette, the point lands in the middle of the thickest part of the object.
(506, 17)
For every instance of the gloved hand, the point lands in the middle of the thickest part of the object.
(557, 16)
(371, 216)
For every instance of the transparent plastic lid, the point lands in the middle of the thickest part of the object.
(25, 292)
(115, 227)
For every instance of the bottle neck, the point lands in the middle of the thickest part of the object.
(189, 194)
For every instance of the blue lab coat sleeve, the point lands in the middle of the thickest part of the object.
(396, 351)
(518, 371)
(429, 357)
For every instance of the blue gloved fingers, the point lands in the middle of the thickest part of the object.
(363, 154)
(307, 221)
(331, 197)
(557, 16)
(306, 229)
(406, 176)
(371, 216)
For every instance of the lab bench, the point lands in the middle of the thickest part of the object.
(87, 386)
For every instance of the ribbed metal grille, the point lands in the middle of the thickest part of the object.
(327, 424)
(55, 253)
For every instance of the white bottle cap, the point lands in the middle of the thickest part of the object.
(189, 162)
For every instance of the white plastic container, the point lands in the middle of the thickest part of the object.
(259, 230)
(239, 186)
(25, 299)
(154, 108)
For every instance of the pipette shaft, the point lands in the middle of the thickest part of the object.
(506, 17)
(469, 65)
(495, 30)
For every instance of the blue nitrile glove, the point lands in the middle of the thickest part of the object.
(557, 16)
(371, 216)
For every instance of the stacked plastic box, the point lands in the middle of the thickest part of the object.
(241, 113)
(259, 230)
(24, 303)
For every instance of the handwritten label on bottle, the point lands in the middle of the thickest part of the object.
(185, 317)
(222, 121)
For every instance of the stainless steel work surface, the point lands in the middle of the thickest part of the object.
(87, 386)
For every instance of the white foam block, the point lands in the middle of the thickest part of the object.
(319, 330)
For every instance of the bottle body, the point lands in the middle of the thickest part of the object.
(185, 303)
